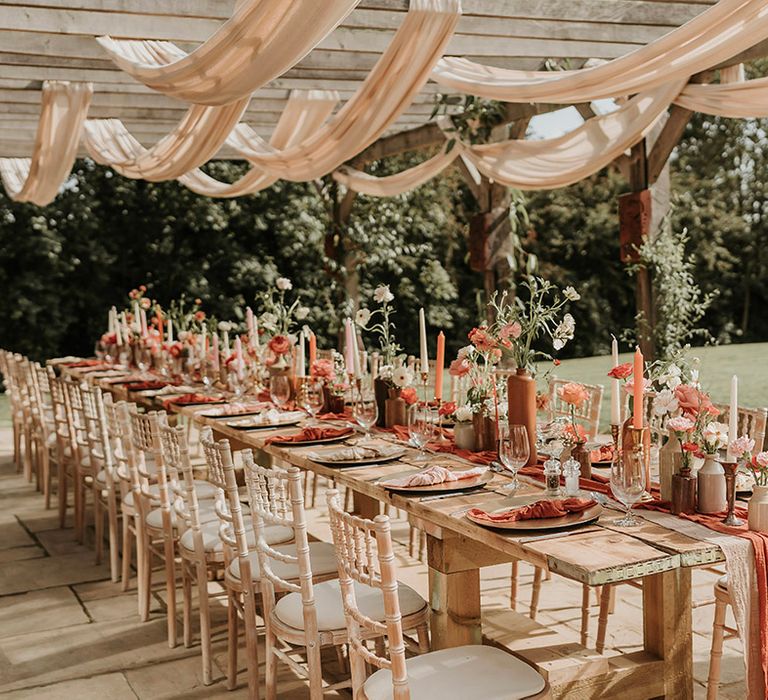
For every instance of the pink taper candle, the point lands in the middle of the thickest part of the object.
(312, 351)
(440, 361)
(349, 347)
(637, 390)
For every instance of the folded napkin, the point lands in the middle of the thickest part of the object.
(63, 360)
(190, 399)
(602, 453)
(311, 434)
(143, 386)
(433, 475)
(356, 453)
(237, 409)
(86, 363)
(540, 510)
(171, 389)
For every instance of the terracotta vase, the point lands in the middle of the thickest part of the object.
(394, 409)
(381, 393)
(581, 454)
(670, 461)
(331, 402)
(711, 487)
(521, 398)
(486, 433)
(464, 436)
(758, 509)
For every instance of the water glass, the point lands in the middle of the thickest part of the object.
(311, 398)
(422, 427)
(627, 485)
(514, 450)
(280, 390)
(365, 410)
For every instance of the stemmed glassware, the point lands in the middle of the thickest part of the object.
(627, 485)
(364, 408)
(280, 390)
(311, 398)
(422, 427)
(514, 450)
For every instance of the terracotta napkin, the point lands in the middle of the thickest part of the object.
(540, 510)
(86, 363)
(602, 453)
(311, 434)
(191, 399)
(433, 475)
(143, 386)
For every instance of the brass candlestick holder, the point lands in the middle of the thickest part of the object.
(440, 437)
(636, 451)
(425, 384)
(616, 436)
(730, 469)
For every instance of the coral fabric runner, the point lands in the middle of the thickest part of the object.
(449, 447)
(311, 434)
(556, 508)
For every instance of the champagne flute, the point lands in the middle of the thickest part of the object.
(627, 485)
(280, 390)
(311, 398)
(514, 450)
(421, 428)
(365, 410)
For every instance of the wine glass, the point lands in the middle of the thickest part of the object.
(514, 450)
(280, 390)
(311, 398)
(422, 422)
(365, 410)
(209, 374)
(627, 485)
(144, 356)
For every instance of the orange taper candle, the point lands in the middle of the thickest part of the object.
(312, 351)
(439, 363)
(637, 390)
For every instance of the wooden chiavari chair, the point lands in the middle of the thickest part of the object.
(44, 430)
(10, 381)
(588, 413)
(81, 459)
(750, 421)
(65, 441)
(365, 557)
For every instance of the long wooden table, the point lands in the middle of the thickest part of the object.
(458, 549)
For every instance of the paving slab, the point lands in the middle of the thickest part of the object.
(12, 534)
(112, 685)
(21, 553)
(49, 572)
(39, 611)
(62, 542)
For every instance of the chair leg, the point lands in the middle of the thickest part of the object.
(205, 621)
(252, 644)
(114, 549)
(602, 622)
(46, 476)
(513, 585)
(584, 614)
(422, 634)
(314, 664)
(61, 471)
(186, 605)
(535, 592)
(422, 545)
(126, 553)
(232, 634)
(144, 558)
(313, 494)
(411, 541)
(78, 481)
(716, 652)
(98, 528)
(170, 588)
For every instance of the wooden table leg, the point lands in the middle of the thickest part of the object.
(365, 506)
(454, 599)
(667, 628)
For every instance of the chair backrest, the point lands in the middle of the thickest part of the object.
(145, 443)
(364, 554)
(751, 422)
(589, 411)
(181, 482)
(221, 473)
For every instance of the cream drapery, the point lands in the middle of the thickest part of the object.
(261, 41)
(38, 179)
(715, 35)
(397, 77)
(742, 100)
(195, 140)
(304, 113)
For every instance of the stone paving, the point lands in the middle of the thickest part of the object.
(66, 631)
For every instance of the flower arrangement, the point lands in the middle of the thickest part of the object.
(478, 362)
(280, 315)
(521, 322)
(742, 450)
(332, 373)
(575, 395)
(379, 321)
(187, 318)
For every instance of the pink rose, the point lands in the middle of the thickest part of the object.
(511, 330)
(692, 401)
(621, 371)
(409, 395)
(322, 369)
(573, 393)
(741, 446)
(459, 368)
(680, 424)
(760, 460)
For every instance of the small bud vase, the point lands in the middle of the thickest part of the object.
(394, 410)
(582, 455)
(464, 436)
(758, 509)
(711, 487)
(670, 461)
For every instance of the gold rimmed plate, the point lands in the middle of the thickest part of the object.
(586, 517)
(474, 482)
(251, 423)
(362, 462)
(307, 443)
(229, 411)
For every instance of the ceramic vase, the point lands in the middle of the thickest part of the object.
(521, 399)
(581, 454)
(464, 436)
(486, 433)
(758, 509)
(394, 409)
(711, 487)
(670, 461)
(381, 393)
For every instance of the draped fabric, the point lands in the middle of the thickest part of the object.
(742, 100)
(195, 140)
(401, 71)
(38, 179)
(261, 41)
(715, 35)
(304, 113)
(401, 182)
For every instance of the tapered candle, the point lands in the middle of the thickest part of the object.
(249, 325)
(256, 341)
(355, 353)
(615, 387)
(733, 416)
(239, 355)
(225, 343)
(170, 330)
(439, 362)
(423, 343)
(143, 326)
(136, 317)
(124, 322)
(349, 347)
(159, 317)
(216, 352)
(374, 365)
(637, 390)
(111, 321)
(312, 350)
(300, 362)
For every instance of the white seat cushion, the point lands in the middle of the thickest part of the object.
(330, 611)
(274, 534)
(722, 582)
(154, 489)
(462, 672)
(321, 554)
(205, 490)
(154, 518)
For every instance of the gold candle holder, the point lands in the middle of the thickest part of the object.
(730, 469)
(616, 436)
(424, 383)
(640, 456)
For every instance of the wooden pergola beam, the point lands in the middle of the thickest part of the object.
(668, 138)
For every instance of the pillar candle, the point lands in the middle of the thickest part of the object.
(249, 325)
(170, 330)
(637, 390)
(615, 387)
(349, 347)
(216, 352)
(424, 368)
(300, 369)
(440, 361)
(312, 350)
(733, 416)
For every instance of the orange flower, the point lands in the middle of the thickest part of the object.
(573, 393)
(447, 408)
(459, 368)
(692, 401)
(621, 371)
(575, 433)
(199, 315)
(481, 339)
(409, 395)
(542, 401)
(280, 345)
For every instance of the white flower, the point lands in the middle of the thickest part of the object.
(362, 317)
(564, 332)
(665, 402)
(302, 312)
(715, 435)
(183, 335)
(268, 319)
(466, 352)
(463, 414)
(382, 294)
(673, 382)
(402, 377)
(571, 294)
(283, 284)
(225, 326)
